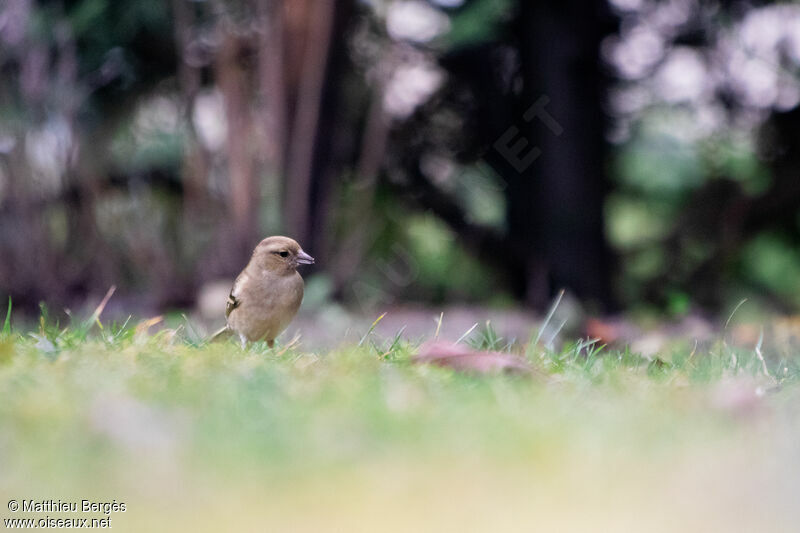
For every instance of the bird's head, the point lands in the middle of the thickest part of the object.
(280, 254)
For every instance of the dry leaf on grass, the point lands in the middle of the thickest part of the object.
(740, 397)
(605, 331)
(465, 359)
(144, 325)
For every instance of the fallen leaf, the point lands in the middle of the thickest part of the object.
(465, 359)
(606, 332)
(739, 397)
(144, 325)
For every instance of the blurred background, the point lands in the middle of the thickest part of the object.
(644, 155)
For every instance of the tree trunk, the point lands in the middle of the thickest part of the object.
(305, 130)
(244, 191)
(556, 192)
(196, 159)
(272, 74)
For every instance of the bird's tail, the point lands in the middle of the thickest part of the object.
(221, 335)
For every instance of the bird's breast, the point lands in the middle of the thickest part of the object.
(268, 305)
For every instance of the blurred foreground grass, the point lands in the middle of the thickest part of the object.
(216, 438)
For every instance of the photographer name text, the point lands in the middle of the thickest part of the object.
(61, 506)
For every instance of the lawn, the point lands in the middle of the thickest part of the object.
(201, 437)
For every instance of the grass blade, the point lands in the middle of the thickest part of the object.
(760, 355)
(730, 317)
(549, 317)
(7, 324)
(95, 318)
(550, 344)
(371, 329)
(465, 335)
(438, 326)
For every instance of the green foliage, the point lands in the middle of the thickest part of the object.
(678, 303)
(666, 239)
(659, 163)
(479, 191)
(737, 159)
(139, 151)
(445, 270)
(85, 16)
(771, 262)
(102, 25)
(478, 21)
(416, 257)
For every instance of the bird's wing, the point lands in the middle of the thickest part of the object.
(232, 303)
(234, 298)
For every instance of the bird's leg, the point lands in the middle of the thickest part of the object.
(271, 343)
(243, 340)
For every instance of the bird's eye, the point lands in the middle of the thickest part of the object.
(284, 253)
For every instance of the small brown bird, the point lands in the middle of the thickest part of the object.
(266, 295)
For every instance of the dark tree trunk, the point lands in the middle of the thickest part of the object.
(196, 159)
(235, 83)
(330, 155)
(557, 182)
(305, 134)
(312, 161)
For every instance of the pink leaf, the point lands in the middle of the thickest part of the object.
(465, 359)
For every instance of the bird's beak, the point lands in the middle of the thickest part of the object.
(304, 259)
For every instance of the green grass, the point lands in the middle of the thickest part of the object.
(357, 438)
